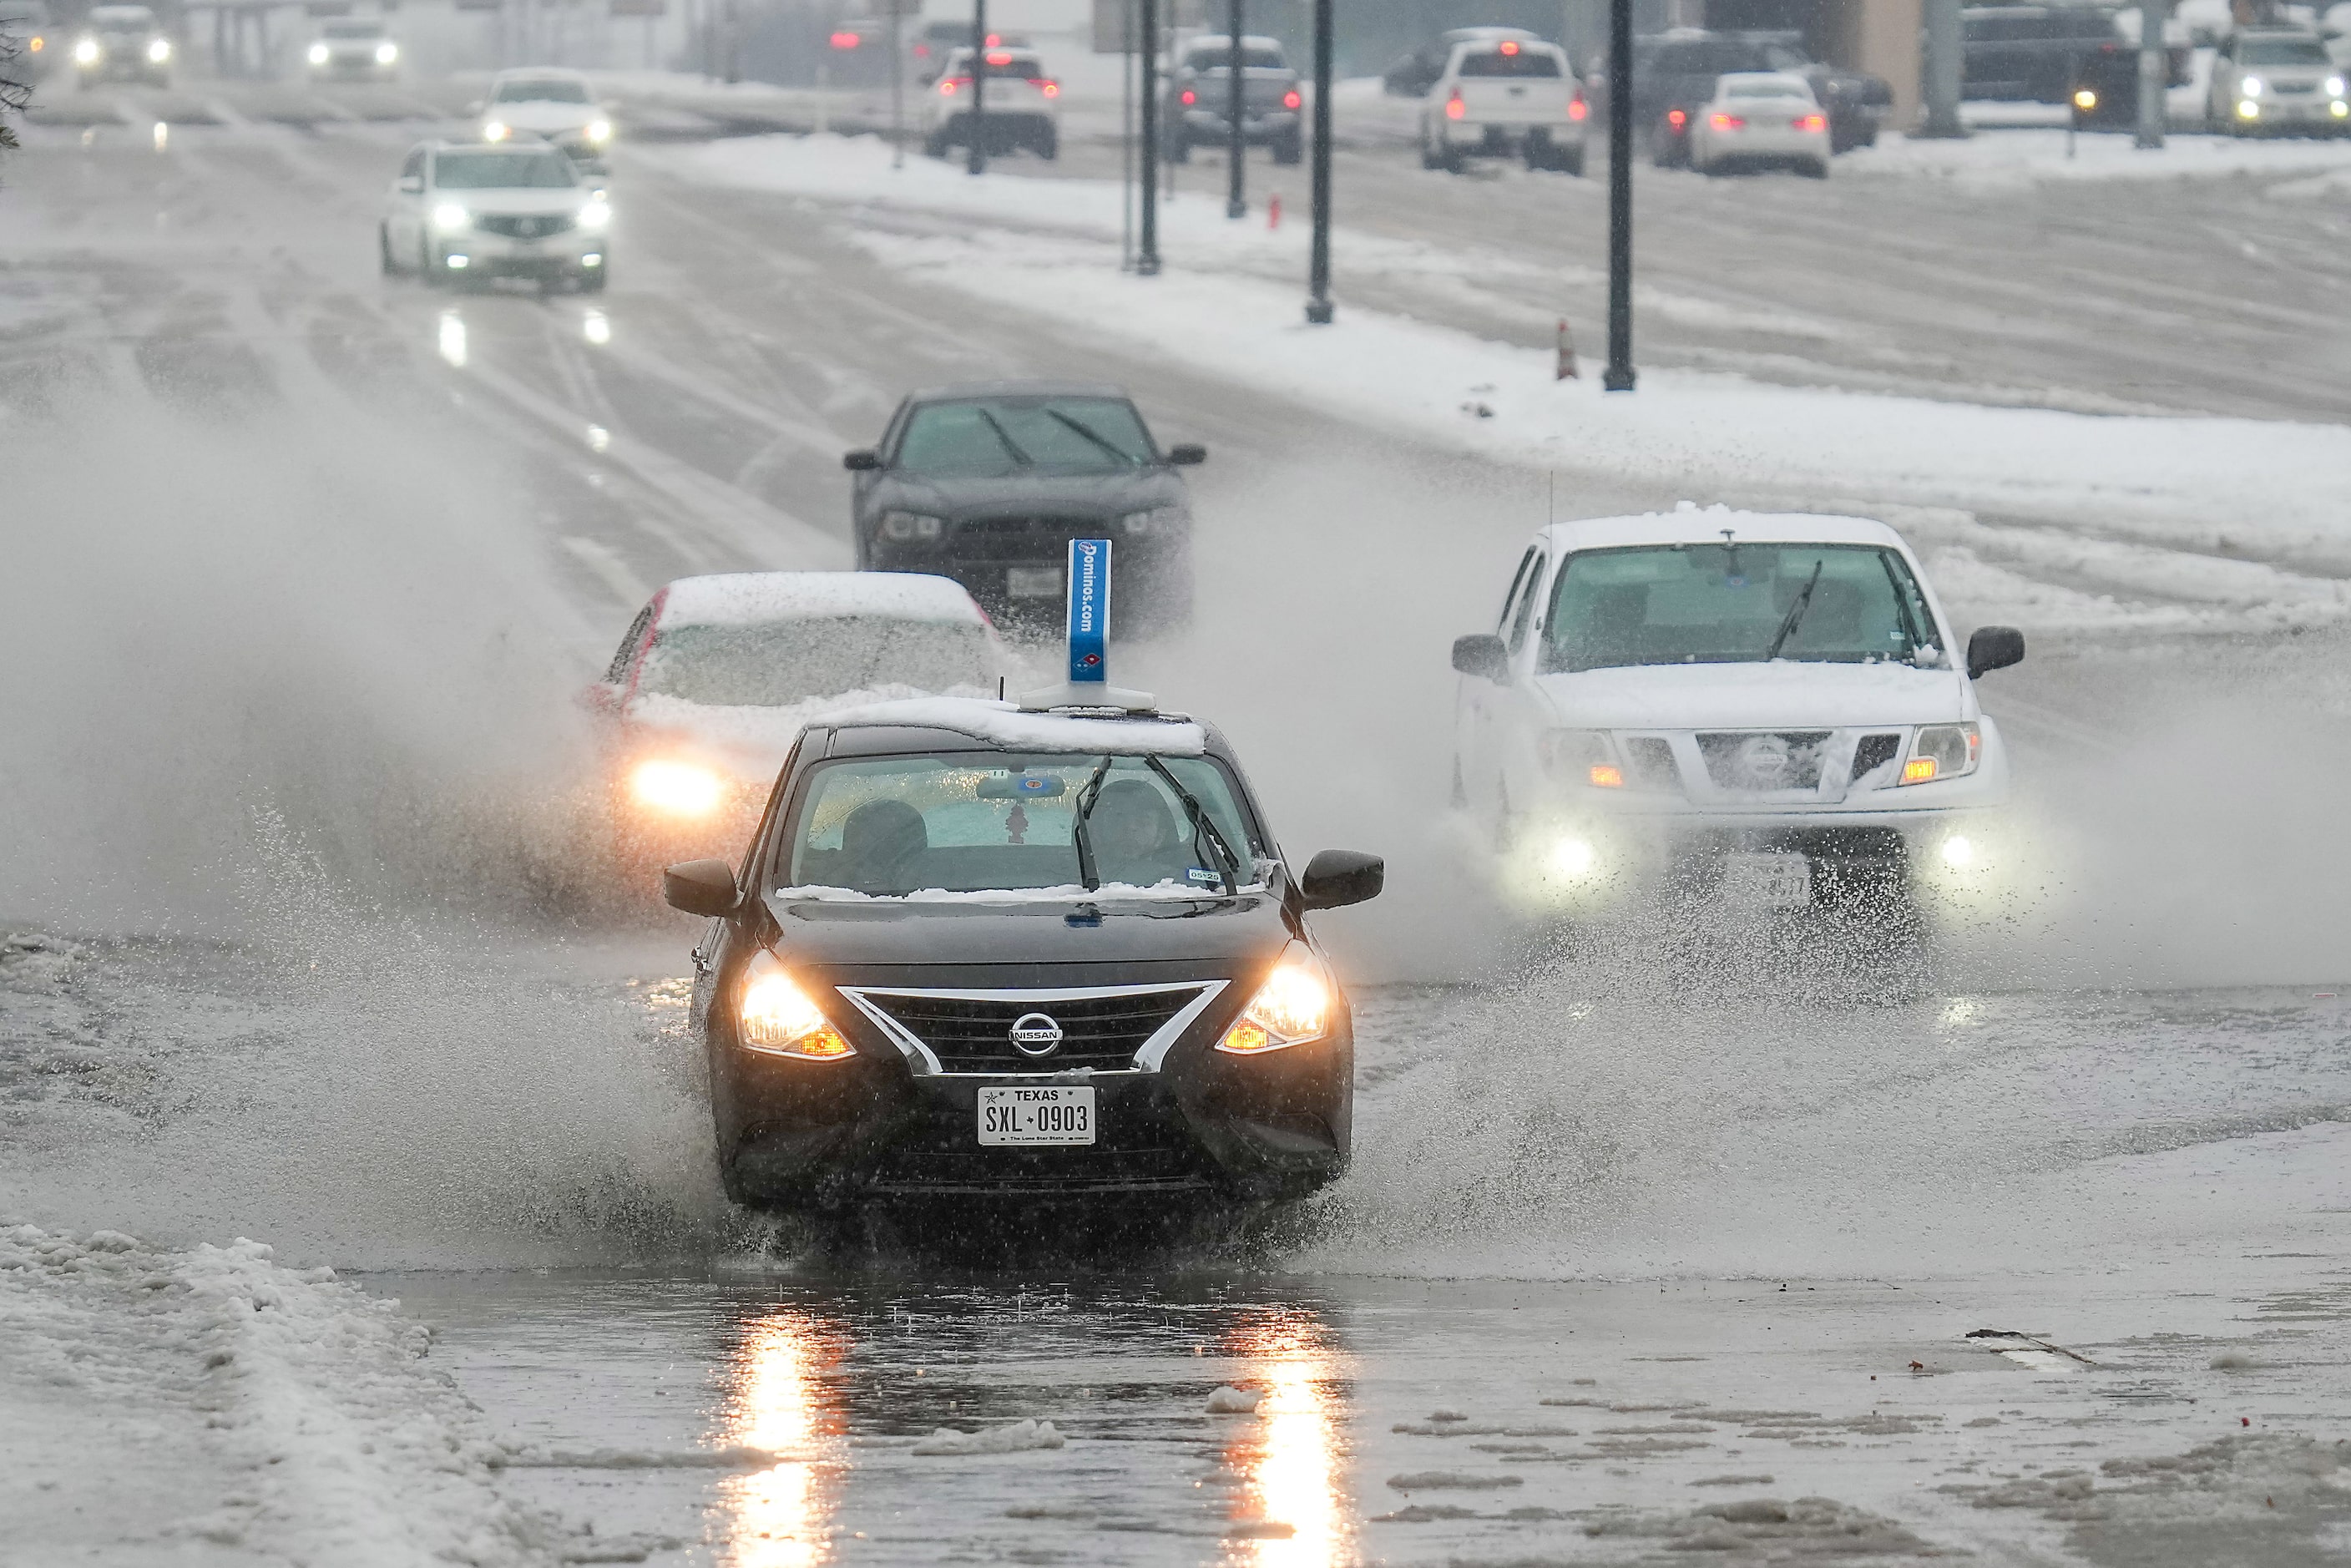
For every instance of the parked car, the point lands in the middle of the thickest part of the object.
(1023, 107)
(1760, 119)
(354, 48)
(1677, 70)
(1199, 99)
(2046, 54)
(999, 967)
(2277, 78)
(1498, 97)
(459, 211)
(1413, 75)
(122, 43)
(1763, 710)
(987, 483)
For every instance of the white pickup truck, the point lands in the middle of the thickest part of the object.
(1505, 96)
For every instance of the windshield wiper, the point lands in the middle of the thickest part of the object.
(1087, 873)
(1795, 614)
(1227, 863)
(1019, 458)
(1126, 459)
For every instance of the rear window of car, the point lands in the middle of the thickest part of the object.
(1219, 56)
(548, 170)
(1510, 60)
(2283, 52)
(1764, 89)
(543, 90)
(1711, 56)
(1002, 65)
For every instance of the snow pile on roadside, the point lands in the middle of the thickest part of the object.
(1011, 1440)
(342, 1447)
(2021, 156)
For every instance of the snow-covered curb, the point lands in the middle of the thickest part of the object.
(336, 1444)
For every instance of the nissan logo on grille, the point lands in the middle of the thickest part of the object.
(1035, 1034)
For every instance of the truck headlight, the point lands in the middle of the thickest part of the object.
(1942, 751)
(777, 1017)
(159, 51)
(495, 131)
(679, 788)
(450, 218)
(1292, 1007)
(1579, 756)
(910, 526)
(386, 52)
(86, 52)
(2335, 87)
(317, 55)
(599, 132)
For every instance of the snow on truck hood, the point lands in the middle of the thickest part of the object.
(1785, 693)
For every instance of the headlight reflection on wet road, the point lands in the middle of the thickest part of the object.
(1290, 1460)
(780, 1517)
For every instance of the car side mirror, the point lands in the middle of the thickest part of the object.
(1185, 454)
(864, 460)
(1994, 648)
(1336, 878)
(1482, 654)
(701, 887)
(413, 184)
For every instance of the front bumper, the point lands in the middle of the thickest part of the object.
(502, 255)
(2313, 112)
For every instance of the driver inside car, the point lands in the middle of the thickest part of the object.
(1134, 836)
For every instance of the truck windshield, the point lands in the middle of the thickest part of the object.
(816, 657)
(1710, 604)
(998, 822)
(1001, 436)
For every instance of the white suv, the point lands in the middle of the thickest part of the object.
(2278, 78)
(1023, 107)
(1764, 707)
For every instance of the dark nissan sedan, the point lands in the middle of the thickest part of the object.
(988, 482)
(983, 953)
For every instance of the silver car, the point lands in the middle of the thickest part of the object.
(2278, 78)
(468, 210)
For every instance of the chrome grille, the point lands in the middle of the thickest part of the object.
(971, 1032)
(532, 226)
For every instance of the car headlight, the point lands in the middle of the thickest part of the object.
(599, 132)
(2248, 109)
(318, 54)
(86, 52)
(1942, 751)
(387, 52)
(2251, 87)
(777, 1017)
(595, 215)
(1579, 756)
(1292, 1007)
(449, 217)
(496, 131)
(159, 51)
(679, 788)
(910, 526)
(1157, 520)
(2335, 87)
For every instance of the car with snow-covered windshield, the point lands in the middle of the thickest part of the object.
(709, 689)
(1014, 960)
(1763, 708)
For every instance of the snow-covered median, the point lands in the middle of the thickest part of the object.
(210, 1404)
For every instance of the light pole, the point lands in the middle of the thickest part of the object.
(1619, 374)
(1146, 239)
(1318, 264)
(978, 138)
(897, 87)
(1236, 203)
(2154, 74)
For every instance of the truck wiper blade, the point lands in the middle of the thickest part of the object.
(1126, 459)
(1227, 863)
(1087, 873)
(1795, 614)
(1019, 457)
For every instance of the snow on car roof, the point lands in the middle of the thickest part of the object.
(1704, 525)
(755, 598)
(1013, 728)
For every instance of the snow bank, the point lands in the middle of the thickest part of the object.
(758, 598)
(2036, 156)
(309, 1396)
(1011, 1440)
(1006, 724)
(1227, 1400)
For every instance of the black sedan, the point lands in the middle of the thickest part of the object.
(988, 482)
(981, 953)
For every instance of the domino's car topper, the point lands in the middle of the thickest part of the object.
(1088, 635)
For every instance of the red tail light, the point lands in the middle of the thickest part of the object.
(1291, 99)
(1677, 118)
(994, 39)
(999, 58)
(1727, 122)
(844, 40)
(1811, 122)
(1190, 98)
(1510, 46)
(1576, 108)
(947, 84)
(1050, 89)
(1454, 108)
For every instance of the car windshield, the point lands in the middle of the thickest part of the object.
(121, 18)
(1001, 65)
(352, 30)
(543, 90)
(1510, 60)
(783, 662)
(994, 821)
(548, 170)
(1000, 435)
(1220, 56)
(2283, 52)
(1732, 603)
(1765, 89)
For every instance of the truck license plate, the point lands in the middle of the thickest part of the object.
(1035, 1117)
(1767, 881)
(1033, 583)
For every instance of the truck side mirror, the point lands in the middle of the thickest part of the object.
(1185, 453)
(701, 887)
(864, 460)
(1994, 648)
(1482, 654)
(414, 184)
(1336, 878)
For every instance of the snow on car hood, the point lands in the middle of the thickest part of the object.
(752, 742)
(1760, 696)
(540, 114)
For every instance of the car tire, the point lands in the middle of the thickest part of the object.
(434, 274)
(1179, 149)
(934, 146)
(1570, 160)
(1818, 169)
(1428, 156)
(384, 250)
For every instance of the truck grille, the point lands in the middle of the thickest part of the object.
(1764, 760)
(973, 1033)
(533, 227)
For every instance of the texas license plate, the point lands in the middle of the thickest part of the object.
(1767, 881)
(1035, 1117)
(1033, 583)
